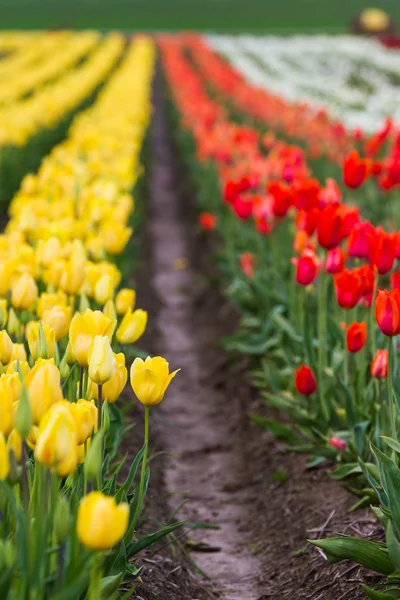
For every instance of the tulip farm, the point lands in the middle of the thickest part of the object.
(200, 312)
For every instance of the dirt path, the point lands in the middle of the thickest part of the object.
(219, 461)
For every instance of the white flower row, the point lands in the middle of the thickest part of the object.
(356, 79)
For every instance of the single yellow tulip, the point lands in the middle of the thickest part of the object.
(46, 301)
(84, 413)
(150, 379)
(125, 300)
(58, 318)
(10, 389)
(24, 366)
(24, 292)
(56, 444)
(6, 347)
(101, 523)
(72, 277)
(18, 353)
(132, 326)
(33, 337)
(112, 389)
(104, 289)
(43, 384)
(4, 460)
(101, 360)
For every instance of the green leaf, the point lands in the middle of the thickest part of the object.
(374, 595)
(109, 585)
(393, 545)
(344, 471)
(371, 555)
(393, 444)
(124, 489)
(285, 326)
(280, 431)
(135, 547)
(390, 479)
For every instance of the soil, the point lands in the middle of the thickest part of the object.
(223, 465)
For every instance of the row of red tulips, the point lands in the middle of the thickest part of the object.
(316, 312)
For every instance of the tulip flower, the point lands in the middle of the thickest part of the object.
(355, 170)
(335, 260)
(43, 385)
(41, 340)
(207, 221)
(83, 329)
(56, 444)
(348, 288)
(379, 365)
(150, 379)
(115, 236)
(19, 353)
(112, 389)
(3, 312)
(356, 336)
(383, 251)
(14, 443)
(387, 311)
(247, 260)
(72, 277)
(395, 279)
(101, 360)
(84, 414)
(101, 523)
(10, 388)
(132, 326)
(4, 459)
(104, 289)
(337, 443)
(242, 207)
(24, 292)
(125, 300)
(330, 228)
(307, 266)
(6, 347)
(282, 197)
(58, 317)
(305, 381)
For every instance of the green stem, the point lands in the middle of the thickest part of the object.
(372, 323)
(322, 326)
(99, 405)
(144, 466)
(346, 353)
(80, 391)
(392, 408)
(95, 577)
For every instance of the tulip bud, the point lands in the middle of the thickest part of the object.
(93, 463)
(62, 520)
(6, 347)
(150, 379)
(101, 360)
(132, 326)
(101, 523)
(23, 417)
(4, 459)
(305, 381)
(109, 310)
(58, 318)
(14, 444)
(64, 369)
(379, 365)
(387, 311)
(104, 289)
(105, 418)
(69, 357)
(24, 292)
(14, 325)
(356, 336)
(125, 300)
(41, 340)
(337, 443)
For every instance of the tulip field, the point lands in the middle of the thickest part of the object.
(199, 316)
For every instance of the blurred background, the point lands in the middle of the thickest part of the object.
(217, 15)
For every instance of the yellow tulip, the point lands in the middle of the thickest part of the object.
(48, 251)
(33, 337)
(6, 273)
(6, 347)
(112, 389)
(10, 388)
(4, 460)
(43, 384)
(84, 413)
(84, 328)
(19, 353)
(3, 312)
(109, 310)
(47, 301)
(56, 444)
(132, 326)
(59, 318)
(24, 292)
(125, 300)
(104, 289)
(69, 356)
(72, 277)
(101, 523)
(14, 443)
(150, 379)
(14, 325)
(101, 360)
(115, 236)
(23, 364)
(99, 323)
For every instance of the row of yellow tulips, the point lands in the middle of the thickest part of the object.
(45, 108)
(55, 54)
(59, 310)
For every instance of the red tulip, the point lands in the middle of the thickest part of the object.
(348, 288)
(307, 220)
(282, 197)
(247, 260)
(305, 381)
(330, 227)
(387, 311)
(243, 207)
(307, 266)
(335, 260)
(337, 443)
(383, 251)
(360, 240)
(395, 280)
(379, 365)
(208, 221)
(355, 170)
(356, 336)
